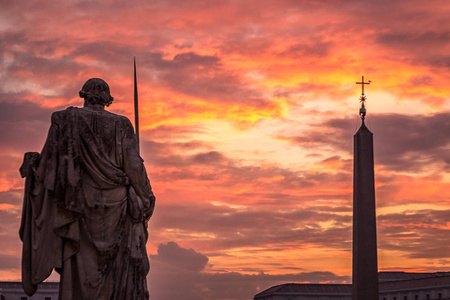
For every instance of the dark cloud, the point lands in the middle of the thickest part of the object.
(34, 65)
(212, 157)
(309, 49)
(173, 255)
(13, 196)
(184, 45)
(22, 110)
(27, 125)
(256, 227)
(420, 80)
(401, 142)
(187, 59)
(415, 39)
(49, 77)
(412, 142)
(419, 234)
(204, 76)
(189, 73)
(416, 46)
(106, 50)
(247, 40)
(11, 38)
(180, 154)
(172, 131)
(229, 172)
(8, 262)
(10, 251)
(440, 61)
(172, 280)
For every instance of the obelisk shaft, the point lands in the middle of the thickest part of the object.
(365, 263)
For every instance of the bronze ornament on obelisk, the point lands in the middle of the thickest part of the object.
(365, 262)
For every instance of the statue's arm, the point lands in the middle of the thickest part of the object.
(135, 170)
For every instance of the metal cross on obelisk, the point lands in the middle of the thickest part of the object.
(362, 98)
(363, 83)
(136, 107)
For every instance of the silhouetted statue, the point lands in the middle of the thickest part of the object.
(87, 203)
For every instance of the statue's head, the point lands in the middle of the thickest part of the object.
(96, 91)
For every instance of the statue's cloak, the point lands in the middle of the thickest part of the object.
(86, 204)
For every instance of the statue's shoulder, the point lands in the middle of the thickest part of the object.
(67, 114)
(116, 117)
(62, 115)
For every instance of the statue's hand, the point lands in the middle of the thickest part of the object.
(28, 159)
(135, 207)
(148, 212)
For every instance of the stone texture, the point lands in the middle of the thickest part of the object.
(365, 263)
(87, 202)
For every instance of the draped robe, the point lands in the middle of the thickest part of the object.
(86, 205)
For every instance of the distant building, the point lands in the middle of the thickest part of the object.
(392, 286)
(13, 290)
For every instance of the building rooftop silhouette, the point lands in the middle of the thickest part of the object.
(392, 286)
(14, 290)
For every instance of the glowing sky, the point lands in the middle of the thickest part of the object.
(248, 108)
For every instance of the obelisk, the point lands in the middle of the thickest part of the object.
(365, 263)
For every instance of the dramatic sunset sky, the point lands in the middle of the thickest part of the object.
(248, 110)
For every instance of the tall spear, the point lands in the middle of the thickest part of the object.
(136, 106)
